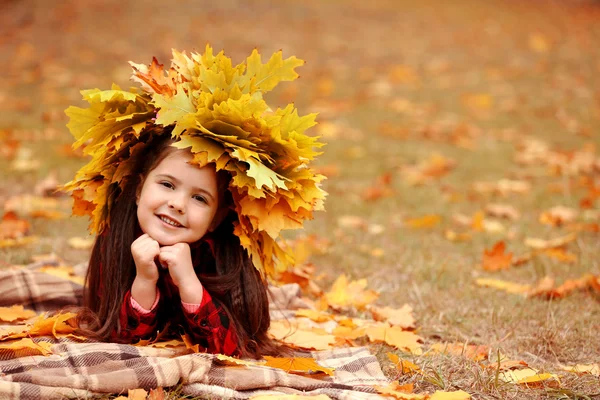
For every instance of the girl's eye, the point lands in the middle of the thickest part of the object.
(167, 184)
(199, 198)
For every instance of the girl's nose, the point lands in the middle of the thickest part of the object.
(177, 204)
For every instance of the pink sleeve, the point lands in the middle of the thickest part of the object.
(136, 306)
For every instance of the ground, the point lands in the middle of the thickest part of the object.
(419, 104)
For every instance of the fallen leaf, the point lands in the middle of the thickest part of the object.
(314, 315)
(509, 287)
(529, 377)
(289, 397)
(592, 369)
(12, 227)
(538, 43)
(427, 221)
(401, 317)
(395, 390)
(237, 361)
(560, 254)
(558, 216)
(63, 271)
(297, 365)
(456, 395)
(394, 336)
(346, 294)
(404, 366)
(457, 237)
(290, 334)
(496, 259)
(542, 244)
(15, 313)
(352, 222)
(26, 346)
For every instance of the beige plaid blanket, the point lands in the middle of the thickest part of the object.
(78, 369)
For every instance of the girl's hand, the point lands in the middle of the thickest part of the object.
(178, 259)
(144, 250)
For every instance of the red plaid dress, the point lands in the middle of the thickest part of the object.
(207, 324)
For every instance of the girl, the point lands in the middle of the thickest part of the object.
(190, 183)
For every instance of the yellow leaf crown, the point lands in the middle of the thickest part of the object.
(218, 112)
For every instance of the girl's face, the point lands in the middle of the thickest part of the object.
(178, 201)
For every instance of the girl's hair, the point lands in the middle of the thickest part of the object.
(234, 280)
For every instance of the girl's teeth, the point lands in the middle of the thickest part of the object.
(168, 221)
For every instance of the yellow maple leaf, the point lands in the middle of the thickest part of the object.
(401, 317)
(509, 287)
(593, 369)
(400, 392)
(405, 366)
(346, 294)
(297, 365)
(427, 221)
(26, 346)
(456, 395)
(529, 377)
(394, 336)
(15, 313)
(304, 339)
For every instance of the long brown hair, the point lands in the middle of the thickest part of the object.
(235, 282)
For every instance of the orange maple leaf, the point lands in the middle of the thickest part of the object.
(496, 259)
(298, 365)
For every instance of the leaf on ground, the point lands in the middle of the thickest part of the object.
(397, 391)
(314, 315)
(424, 222)
(26, 346)
(395, 337)
(503, 187)
(496, 259)
(297, 365)
(15, 313)
(227, 360)
(558, 216)
(189, 344)
(346, 294)
(352, 222)
(503, 211)
(169, 343)
(456, 395)
(22, 241)
(472, 351)
(543, 244)
(404, 366)
(457, 236)
(507, 286)
(401, 317)
(568, 287)
(156, 394)
(561, 255)
(529, 377)
(303, 339)
(592, 369)
(12, 227)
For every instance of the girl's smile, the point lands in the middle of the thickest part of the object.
(178, 201)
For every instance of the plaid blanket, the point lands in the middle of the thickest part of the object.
(83, 369)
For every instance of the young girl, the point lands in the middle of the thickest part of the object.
(191, 181)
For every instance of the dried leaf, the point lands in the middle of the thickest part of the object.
(427, 221)
(80, 243)
(12, 227)
(297, 365)
(303, 339)
(558, 216)
(529, 377)
(15, 313)
(394, 336)
(496, 259)
(401, 317)
(503, 211)
(346, 294)
(457, 395)
(26, 346)
(592, 369)
(509, 287)
(472, 351)
(396, 391)
(404, 366)
(542, 244)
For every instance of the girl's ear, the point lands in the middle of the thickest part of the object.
(218, 218)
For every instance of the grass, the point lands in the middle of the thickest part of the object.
(537, 61)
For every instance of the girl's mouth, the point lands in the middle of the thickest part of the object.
(169, 221)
